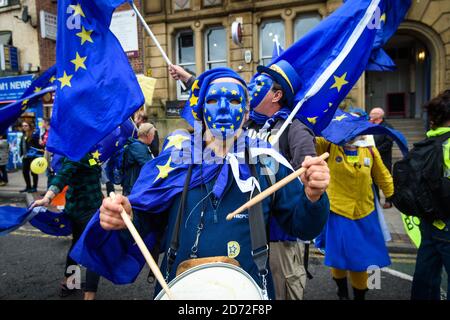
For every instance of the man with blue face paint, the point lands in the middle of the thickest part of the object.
(218, 101)
(272, 92)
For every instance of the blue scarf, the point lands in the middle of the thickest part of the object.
(262, 119)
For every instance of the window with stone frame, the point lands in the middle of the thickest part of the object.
(185, 57)
(304, 23)
(212, 3)
(216, 47)
(268, 31)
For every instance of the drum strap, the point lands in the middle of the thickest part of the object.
(175, 241)
(260, 248)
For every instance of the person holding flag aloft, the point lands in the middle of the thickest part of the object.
(216, 184)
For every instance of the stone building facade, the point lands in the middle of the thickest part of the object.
(188, 30)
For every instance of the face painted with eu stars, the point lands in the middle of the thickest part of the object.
(258, 89)
(225, 105)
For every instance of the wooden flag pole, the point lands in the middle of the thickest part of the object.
(148, 257)
(280, 184)
(150, 33)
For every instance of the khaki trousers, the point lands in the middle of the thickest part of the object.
(288, 272)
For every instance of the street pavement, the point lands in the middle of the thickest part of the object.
(32, 263)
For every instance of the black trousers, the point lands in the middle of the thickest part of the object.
(92, 278)
(3, 174)
(26, 163)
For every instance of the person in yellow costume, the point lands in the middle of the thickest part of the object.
(354, 240)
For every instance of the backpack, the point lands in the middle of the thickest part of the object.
(421, 190)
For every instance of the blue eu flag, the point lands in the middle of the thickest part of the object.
(46, 79)
(11, 112)
(332, 56)
(52, 223)
(345, 127)
(97, 89)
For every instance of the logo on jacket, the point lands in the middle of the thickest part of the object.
(233, 249)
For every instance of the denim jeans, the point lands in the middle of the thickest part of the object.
(433, 255)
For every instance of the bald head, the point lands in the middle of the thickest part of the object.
(376, 115)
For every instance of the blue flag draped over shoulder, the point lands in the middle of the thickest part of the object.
(344, 127)
(97, 89)
(331, 57)
(112, 254)
(10, 113)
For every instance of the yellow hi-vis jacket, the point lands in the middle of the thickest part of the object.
(350, 190)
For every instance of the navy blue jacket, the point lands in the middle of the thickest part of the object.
(291, 208)
(135, 156)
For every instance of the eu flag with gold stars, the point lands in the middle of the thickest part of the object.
(97, 89)
(331, 57)
(11, 112)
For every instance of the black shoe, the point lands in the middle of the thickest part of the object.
(359, 294)
(342, 291)
(65, 291)
(24, 190)
(32, 190)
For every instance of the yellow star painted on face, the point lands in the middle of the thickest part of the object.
(79, 62)
(339, 118)
(85, 35)
(313, 120)
(65, 80)
(37, 89)
(77, 10)
(96, 155)
(193, 100)
(195, 85)
(234, 92)
(176, 141)
(223, 89)
(52, 79)
(164, 170)
(339, 82)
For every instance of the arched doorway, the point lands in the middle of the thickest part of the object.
(419, 54)
(402, 92)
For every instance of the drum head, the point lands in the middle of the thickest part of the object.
(213, 281)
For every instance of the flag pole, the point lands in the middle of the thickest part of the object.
(150, 33)
(148, 257)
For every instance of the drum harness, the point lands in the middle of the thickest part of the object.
(260, 247)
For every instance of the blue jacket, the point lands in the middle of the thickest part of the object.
(135, 156)
(290, 207)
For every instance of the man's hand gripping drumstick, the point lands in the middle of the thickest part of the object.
(115, 214)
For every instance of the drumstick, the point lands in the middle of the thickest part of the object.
(280, 184)
(148, 257)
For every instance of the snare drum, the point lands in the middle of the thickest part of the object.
(213, 281)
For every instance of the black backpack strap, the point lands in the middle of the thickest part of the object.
(258, 236)
(174, 242)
